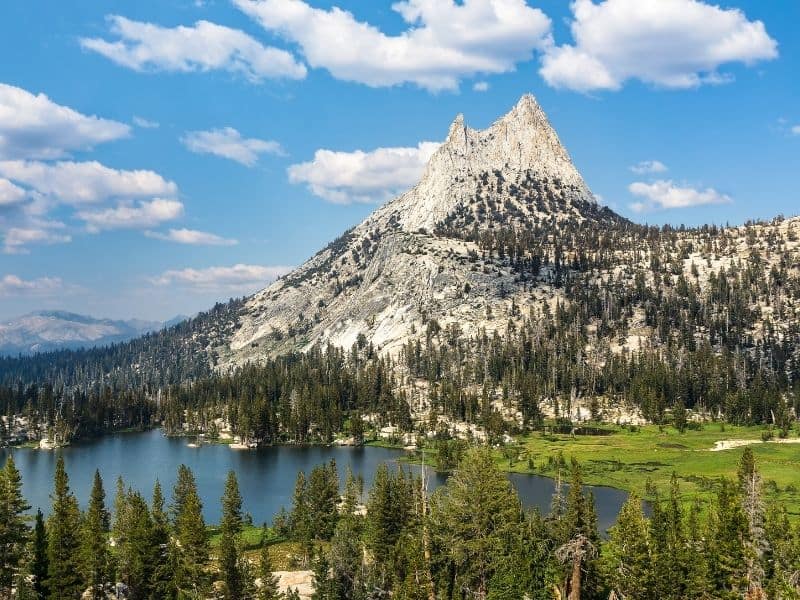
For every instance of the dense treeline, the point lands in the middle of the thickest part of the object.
(470, 539)
(662, 319)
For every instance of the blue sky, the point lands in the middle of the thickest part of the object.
(158, 156)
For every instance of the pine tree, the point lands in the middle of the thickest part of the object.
(475, 518)
(64, 581)
(727, 527)
(626, 563)
(163, 580)
(323, 496)
(120, 498)
(13, 528)
(697, 584)
(231, 527)
(136, 556)
(190, 532)
(324, 585)
(269, 582)
(345, 556)
(388, 512)
(577, 540)
(94, 548)
(758, 547)
(300, 517)
(38, 566)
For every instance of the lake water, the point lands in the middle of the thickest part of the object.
(266, 476)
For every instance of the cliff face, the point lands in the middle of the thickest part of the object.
(414, 259)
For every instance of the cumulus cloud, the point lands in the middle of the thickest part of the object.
(191, 237)
(665, 195)
(85, 182)
(16, 239)
(10, 194)
(445, 41)
(132, 216)
(649, 166)
(13, 285)
(796, 130)
(346, 177)
(239, 278)
(204, 46)
(229, 143)
(33, 126)
(145, 123)
(667, 43)
(481, 86)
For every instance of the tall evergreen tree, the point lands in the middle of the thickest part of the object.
(229, 551)
(388, 512)
(300, 517)
(13, 528)
(758, 546)
(324, 585)
(626, 564)
(269, 582)
(38, 566)
(191, 537)
(135, 550)
(163, 583)
(577, 541)
(727, 527)
(323, 497)
(64, 581)
(95, 553)
(475, 517)
(697, 584)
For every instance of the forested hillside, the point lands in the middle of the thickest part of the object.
(471, 539)
(495, 293)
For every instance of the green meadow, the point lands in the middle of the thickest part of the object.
(643, 459)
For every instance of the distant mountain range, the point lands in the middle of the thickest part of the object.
(47, 330)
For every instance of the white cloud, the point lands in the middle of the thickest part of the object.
(346, 177)
(85, 182)
(668, 43)
(481, 86)
(239, 278)
(13, 285)
(10, 194)
(649, 166)
(229, 143)
(204, 46)
(796, 130)
(191, 237)
(445, 40)
(665, 195)
(33, 126)
(16, 239)
(132, 216)
(145, 123)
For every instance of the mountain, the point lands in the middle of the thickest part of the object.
(497, 287)
(413, 259)
(43, 331)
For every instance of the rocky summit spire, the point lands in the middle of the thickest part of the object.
(410, 260)
(521, 144)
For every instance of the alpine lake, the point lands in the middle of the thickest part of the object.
(266, 475)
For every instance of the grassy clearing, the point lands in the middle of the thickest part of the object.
(645, 457)
(284, 554)
(250, 538)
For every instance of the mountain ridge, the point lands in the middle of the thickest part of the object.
(386, 276)
(49, 330)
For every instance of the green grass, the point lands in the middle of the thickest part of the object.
(647, 456)
(250, 537)
(284, 554)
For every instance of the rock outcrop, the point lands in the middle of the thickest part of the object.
(412, 261)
